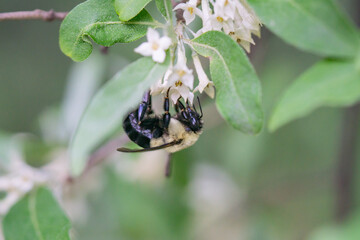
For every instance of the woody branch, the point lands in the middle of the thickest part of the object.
(36, 14)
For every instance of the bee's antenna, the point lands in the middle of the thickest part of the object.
(200, 107)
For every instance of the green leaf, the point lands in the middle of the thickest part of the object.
(97, 20)
(238, 90)
(328, 83)
(317, 26)
(165, 8)
(36, 217)
(127, 9)
(107, 109)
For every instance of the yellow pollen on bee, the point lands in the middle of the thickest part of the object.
(178, 83)
(181, 73)
(220, 19)
(191, 10)
(155, 46)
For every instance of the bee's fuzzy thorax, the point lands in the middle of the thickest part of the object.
(176, 131)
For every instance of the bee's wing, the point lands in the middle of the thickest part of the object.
(166, 145)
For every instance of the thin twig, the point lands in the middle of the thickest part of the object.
(36, 14)
(104, 50)
(345, 185)
(347, 163)
(110, 147)
(102, 153)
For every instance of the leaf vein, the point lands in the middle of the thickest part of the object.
(33, 215)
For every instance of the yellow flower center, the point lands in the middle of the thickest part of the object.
(226, 2)
(178, 83)
(220, 19)
(155, 46)
(191, 10)
(181, 73)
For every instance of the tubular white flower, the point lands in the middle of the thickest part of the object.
(251, 21)
(181, 79)
(204, 83)
(206, 10)
(190, 10)
(159, 86)
(226, 7)
(155, 46)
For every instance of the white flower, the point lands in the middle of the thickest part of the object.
(218, 22)
(155, 46)
(204, 83)
(250, 20)
(206, 10)
(226, 7)
(190, 10)
(246, 23)
(180, 81)
(242, 37)
(182, 91)
(159, 86)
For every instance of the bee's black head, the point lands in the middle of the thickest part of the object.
(190, 117)
(195, 122)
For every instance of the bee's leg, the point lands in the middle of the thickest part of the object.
(182, 109)
(168, 166)
(166, 115)
(144, 106)
(149, 109)
(177, 105)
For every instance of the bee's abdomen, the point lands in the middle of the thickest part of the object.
(141, 134)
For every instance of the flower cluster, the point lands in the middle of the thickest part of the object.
(234, 17)
(20, 180)
(179, 79)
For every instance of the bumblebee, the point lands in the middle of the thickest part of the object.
(171, 133)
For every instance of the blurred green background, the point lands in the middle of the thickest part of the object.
(275, 186)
